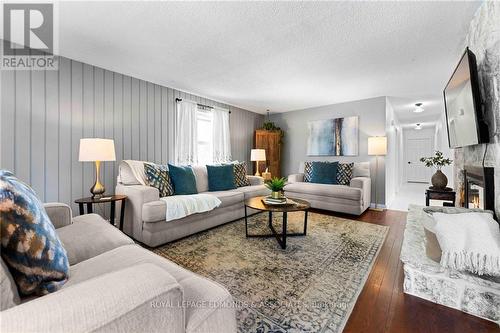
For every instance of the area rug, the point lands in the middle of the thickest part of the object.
(311, 286)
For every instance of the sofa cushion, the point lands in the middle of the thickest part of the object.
(326, 190)
(183, 179)
(201, 175)
(88, 236)
(344, 173)
(220, 177)
(10, 296)
(307, 170)
(324, 172)
(197, 290)
(30, 246)
(158, 176)
(228, 198)
(361, 169)
(253, 191)
(240, 174)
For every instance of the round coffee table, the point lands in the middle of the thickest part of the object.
(258, 204)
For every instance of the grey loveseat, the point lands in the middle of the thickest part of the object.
(145, 213)
(115, 286)
(353, 199)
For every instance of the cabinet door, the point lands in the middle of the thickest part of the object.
(270, 141)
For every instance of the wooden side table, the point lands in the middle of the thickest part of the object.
(446, 195)
(108, 198)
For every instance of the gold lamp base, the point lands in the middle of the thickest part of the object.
(97, 189)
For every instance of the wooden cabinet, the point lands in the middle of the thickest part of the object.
(271, 142)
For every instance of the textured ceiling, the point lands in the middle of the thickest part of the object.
(403, 109)
(280, 56)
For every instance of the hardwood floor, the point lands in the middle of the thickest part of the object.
(383, 307)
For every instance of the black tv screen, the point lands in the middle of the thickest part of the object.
(464, 116)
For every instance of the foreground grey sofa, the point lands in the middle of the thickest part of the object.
(145, 213)
(116, 286)
(353, 199)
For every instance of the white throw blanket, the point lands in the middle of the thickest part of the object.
(469, 241)
(179, 206)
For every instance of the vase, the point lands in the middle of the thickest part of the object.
(439, 180)
(276, 194)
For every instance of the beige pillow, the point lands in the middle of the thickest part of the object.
(432, 247)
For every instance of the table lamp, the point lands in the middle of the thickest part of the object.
(97, 150)
(377, 146)
(257, 155)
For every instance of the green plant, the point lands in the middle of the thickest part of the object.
(271, 126)
(438, 161)
(276, 184)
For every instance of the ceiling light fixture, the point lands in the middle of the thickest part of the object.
(418, 108)
(418, 126)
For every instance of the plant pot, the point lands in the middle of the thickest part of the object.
(276, 195)
(439, 180)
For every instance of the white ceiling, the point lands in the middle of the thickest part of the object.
(403, 109)
(280, 56)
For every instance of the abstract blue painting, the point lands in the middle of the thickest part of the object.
(333, 137)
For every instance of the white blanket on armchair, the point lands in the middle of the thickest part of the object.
(469, 241)
(179, 206)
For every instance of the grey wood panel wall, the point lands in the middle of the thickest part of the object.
(45, 113)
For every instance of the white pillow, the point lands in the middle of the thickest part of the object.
(361, 169)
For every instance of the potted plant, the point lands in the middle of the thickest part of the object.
(439, 179)
(276, 186)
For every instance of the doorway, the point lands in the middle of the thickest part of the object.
(418, 143)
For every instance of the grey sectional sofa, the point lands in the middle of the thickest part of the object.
(116, 286)
(145, 213)
(353, 199)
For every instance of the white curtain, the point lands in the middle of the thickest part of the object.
(186, 138)
(221, 139)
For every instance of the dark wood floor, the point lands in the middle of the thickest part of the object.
(383, 307)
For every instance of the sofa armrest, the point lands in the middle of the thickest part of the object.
(59, 214)
(296, 178)
(365, 184)
(145, 300)
(255, 180)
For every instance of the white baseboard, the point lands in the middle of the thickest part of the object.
(372, 205)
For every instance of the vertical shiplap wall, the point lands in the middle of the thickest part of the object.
(45, 113)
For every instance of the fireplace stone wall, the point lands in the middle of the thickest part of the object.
(483, 39)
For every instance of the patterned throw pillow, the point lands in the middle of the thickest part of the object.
(30, 245)
(344, 173)
(307, 171)
(158, 177)
(240, 174)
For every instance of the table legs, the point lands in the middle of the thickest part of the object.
(122, 214)
(280, 237)
(112, 213)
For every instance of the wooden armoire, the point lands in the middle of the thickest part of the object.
(271, 142)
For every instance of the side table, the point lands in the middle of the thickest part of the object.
(107, 198)
(446, 195)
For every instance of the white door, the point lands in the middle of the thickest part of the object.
(416, 148)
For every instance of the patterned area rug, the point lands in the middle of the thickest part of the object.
(311, 286)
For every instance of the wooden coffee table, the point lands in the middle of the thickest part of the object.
(256, 203)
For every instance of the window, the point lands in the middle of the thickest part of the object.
(205, 146)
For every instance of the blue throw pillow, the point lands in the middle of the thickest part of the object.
(324, 172)
(183, 179)
(30, 245)
(221, 177)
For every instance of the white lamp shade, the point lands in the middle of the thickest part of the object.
(97, 150)
(377, 145)
(258, 155)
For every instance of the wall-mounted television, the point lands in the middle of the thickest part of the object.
(462, 99)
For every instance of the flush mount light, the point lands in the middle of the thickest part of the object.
(418, 126)
(418, 108)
